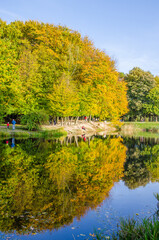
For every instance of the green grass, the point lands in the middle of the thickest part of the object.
(18, 126)
(156, 196)
(146, 134)
(141, 129)
(5, 134)
(49, 134)
(131, 229)
(144, 125)
(21, 132)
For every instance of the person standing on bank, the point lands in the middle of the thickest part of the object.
(13, 122)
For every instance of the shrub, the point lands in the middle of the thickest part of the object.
(34, 120)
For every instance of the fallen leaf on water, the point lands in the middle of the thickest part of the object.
(92, 235)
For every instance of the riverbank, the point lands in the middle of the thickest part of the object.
(80, 128)
(84, 127)
(135, 229)
(21, 132)
(140, 129)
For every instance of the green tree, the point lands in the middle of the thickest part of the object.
(8, 77)
(139, 84)
(152, 103)
(63, 101)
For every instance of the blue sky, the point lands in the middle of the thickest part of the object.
(128, 30)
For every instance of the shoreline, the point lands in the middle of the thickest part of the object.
(81, 128)
(140, 129)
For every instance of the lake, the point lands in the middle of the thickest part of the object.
(69, 188)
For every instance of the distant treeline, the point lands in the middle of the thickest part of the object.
(50, 70)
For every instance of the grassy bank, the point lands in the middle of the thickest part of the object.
(21, 131)
(132, 229)
(142, 129)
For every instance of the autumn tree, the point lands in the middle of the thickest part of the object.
(8, 77)
(53, 69)
(63, 100)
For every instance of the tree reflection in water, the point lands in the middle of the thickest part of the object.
(45, 184)
(142, 162)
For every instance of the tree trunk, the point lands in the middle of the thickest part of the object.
(89, 141)
(65, 120)
(62, 121)
(76, 120)
(76, 140)
(71, 120)
(149, 118)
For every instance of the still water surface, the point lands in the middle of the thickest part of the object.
(69, 188)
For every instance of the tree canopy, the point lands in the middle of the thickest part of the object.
(54, 69)
(142, 93)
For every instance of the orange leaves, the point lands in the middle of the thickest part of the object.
(44, 54)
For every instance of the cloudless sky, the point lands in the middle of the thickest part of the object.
(128, 30)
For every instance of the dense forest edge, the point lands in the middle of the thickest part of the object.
(51, 73)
